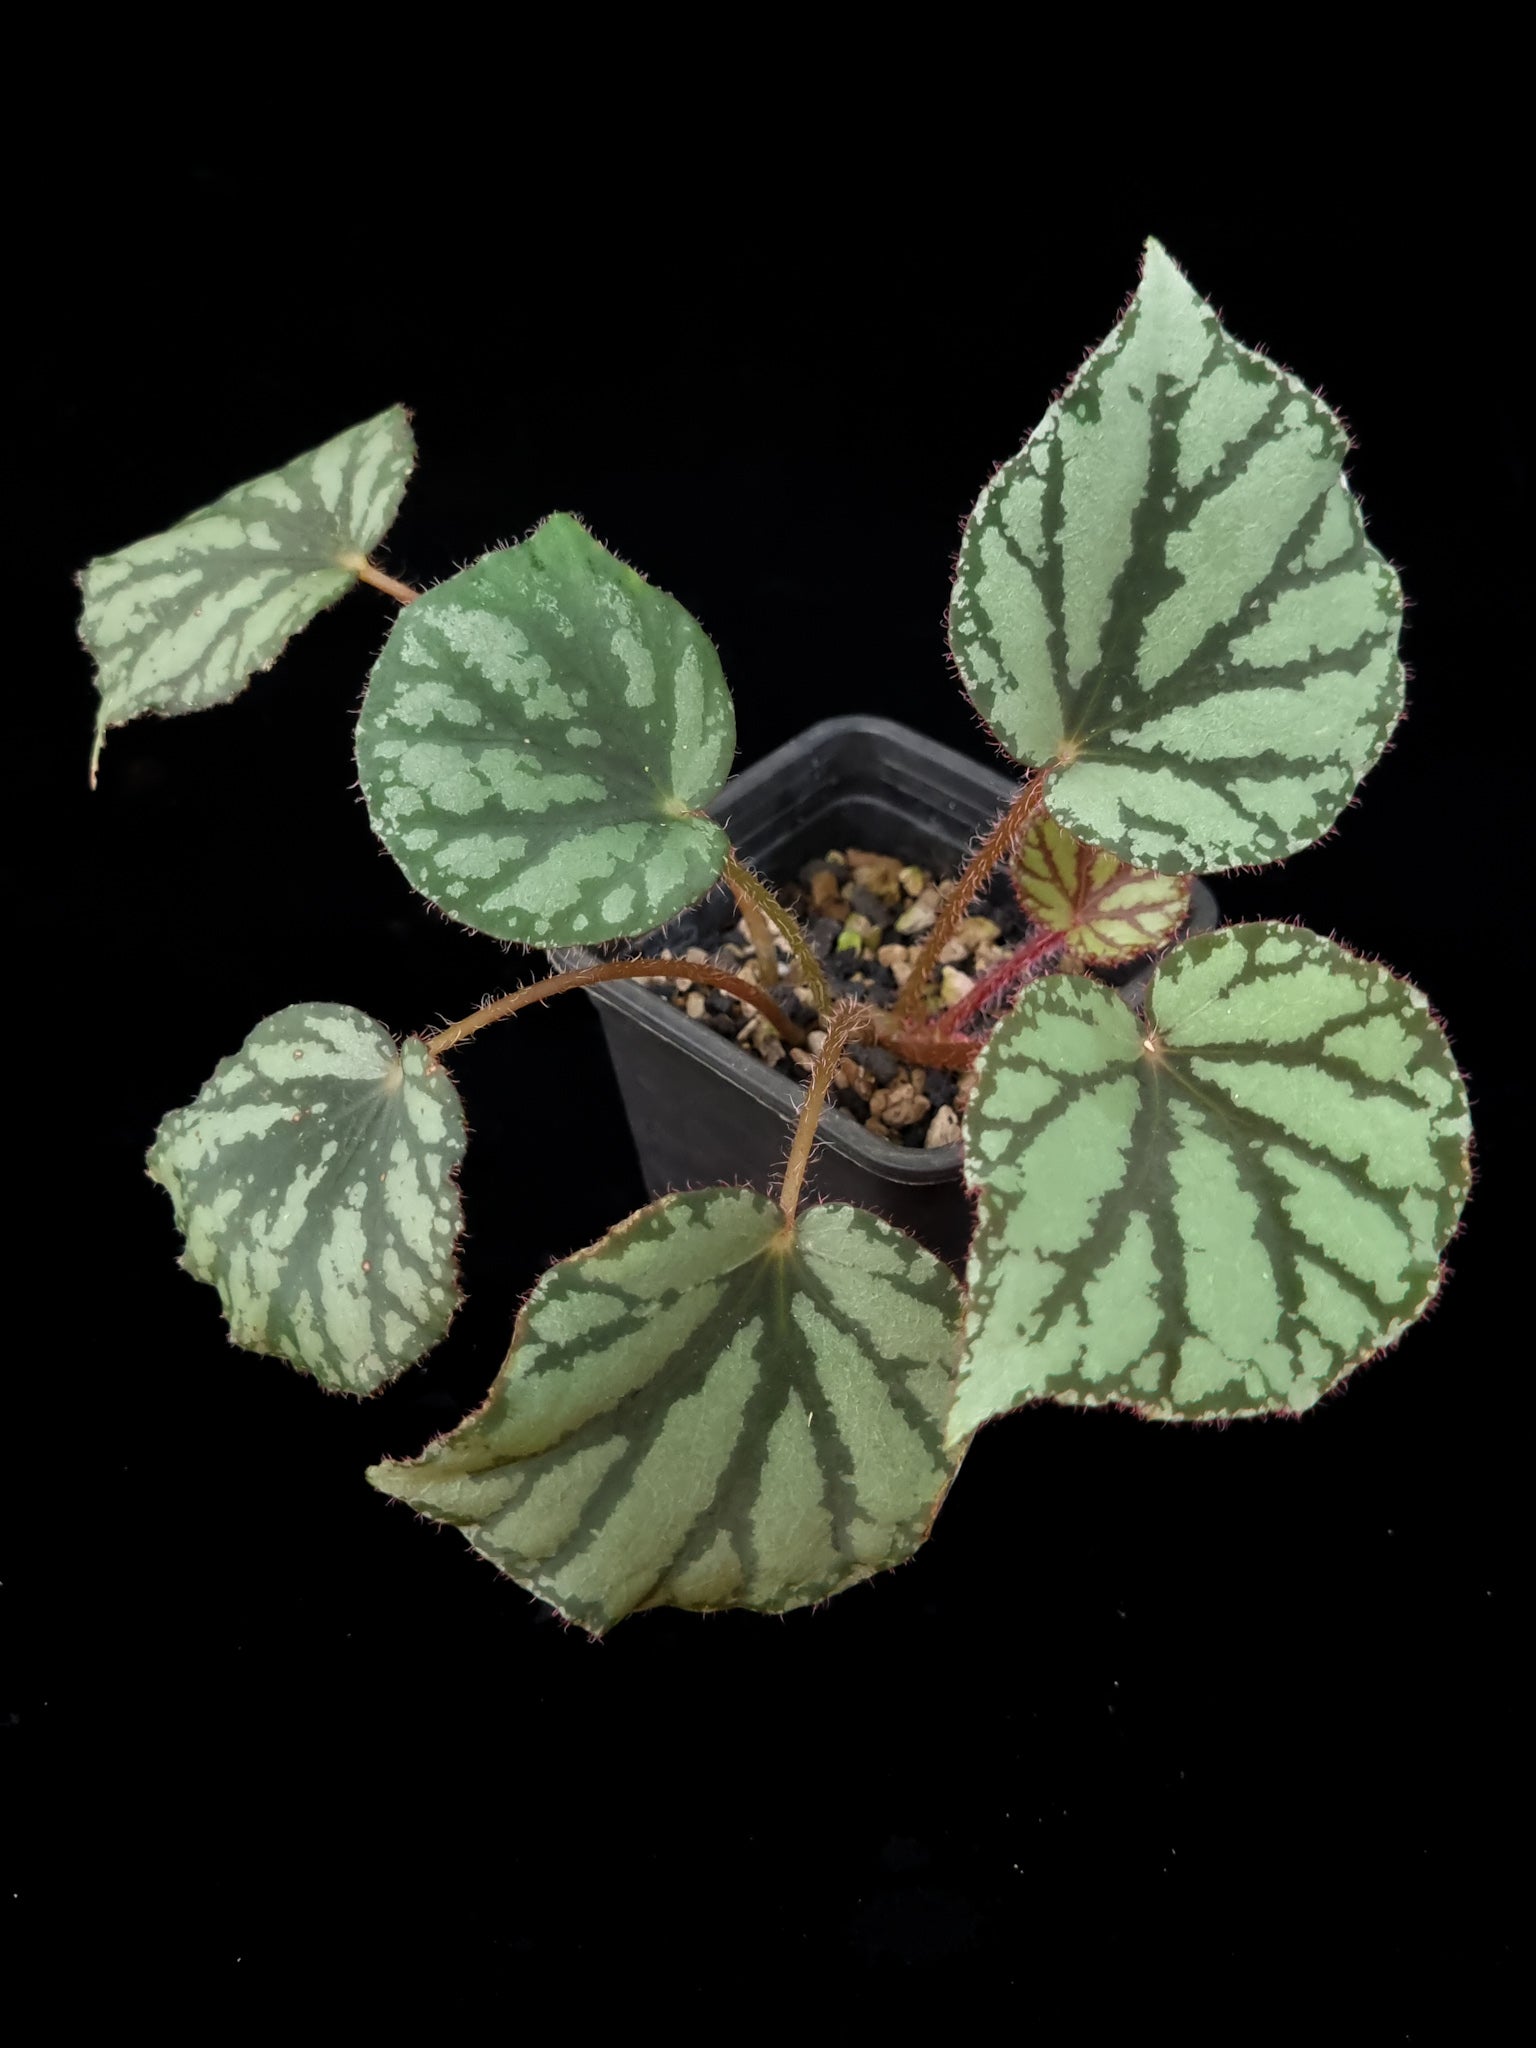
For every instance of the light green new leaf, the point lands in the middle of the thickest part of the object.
(696, 1413)
(1169, 591)
(536, 732)
(186, 618)
(1219, 1210)
(313, 1181)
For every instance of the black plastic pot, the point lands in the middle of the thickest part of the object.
(702, 1111)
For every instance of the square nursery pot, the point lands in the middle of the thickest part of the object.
(703, 1111)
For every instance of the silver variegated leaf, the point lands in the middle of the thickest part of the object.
(700, 1412)
(186, 618)
(536, 736)
(1169, 593)
(313, 1181)
(1220, 1209)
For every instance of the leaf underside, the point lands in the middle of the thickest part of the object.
(312, 1179)
(692, 1415)
(186, 618)
(534, 734)
(1218, 1211)
(1170, 591)
(1105, 910)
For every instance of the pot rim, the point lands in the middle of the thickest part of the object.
(908, 1165)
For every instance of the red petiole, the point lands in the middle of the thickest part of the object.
(1020, 966)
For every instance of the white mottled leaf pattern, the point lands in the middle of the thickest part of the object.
(1169, 592)
(186, 618)
(313, 1181)
(1217, 1211)
(697, 1412)
(536, 735)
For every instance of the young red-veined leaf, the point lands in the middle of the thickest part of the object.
(1105, 911)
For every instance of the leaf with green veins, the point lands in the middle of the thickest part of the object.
(186, 618)
(313, 1181)
(697, 1413)
(1220, 1210)
(1169, 591)
(536, 735)
(1106, 911)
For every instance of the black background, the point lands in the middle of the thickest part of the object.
(1235, 1701)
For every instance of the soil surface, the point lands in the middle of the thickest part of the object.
(865, 915)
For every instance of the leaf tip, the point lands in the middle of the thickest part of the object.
(1158, 268)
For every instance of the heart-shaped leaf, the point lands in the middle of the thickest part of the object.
(1169, 592)
(186, 618)
(701, 1412)
(313, 1181)
(1219, 1210)
(1106, 911)
(538, 731)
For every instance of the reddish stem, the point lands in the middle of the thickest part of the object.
(924, 1045)
(618, 970)
(369, 572)
(849, 1021)
(754, 894)
(997, 846)
(1000, 981)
